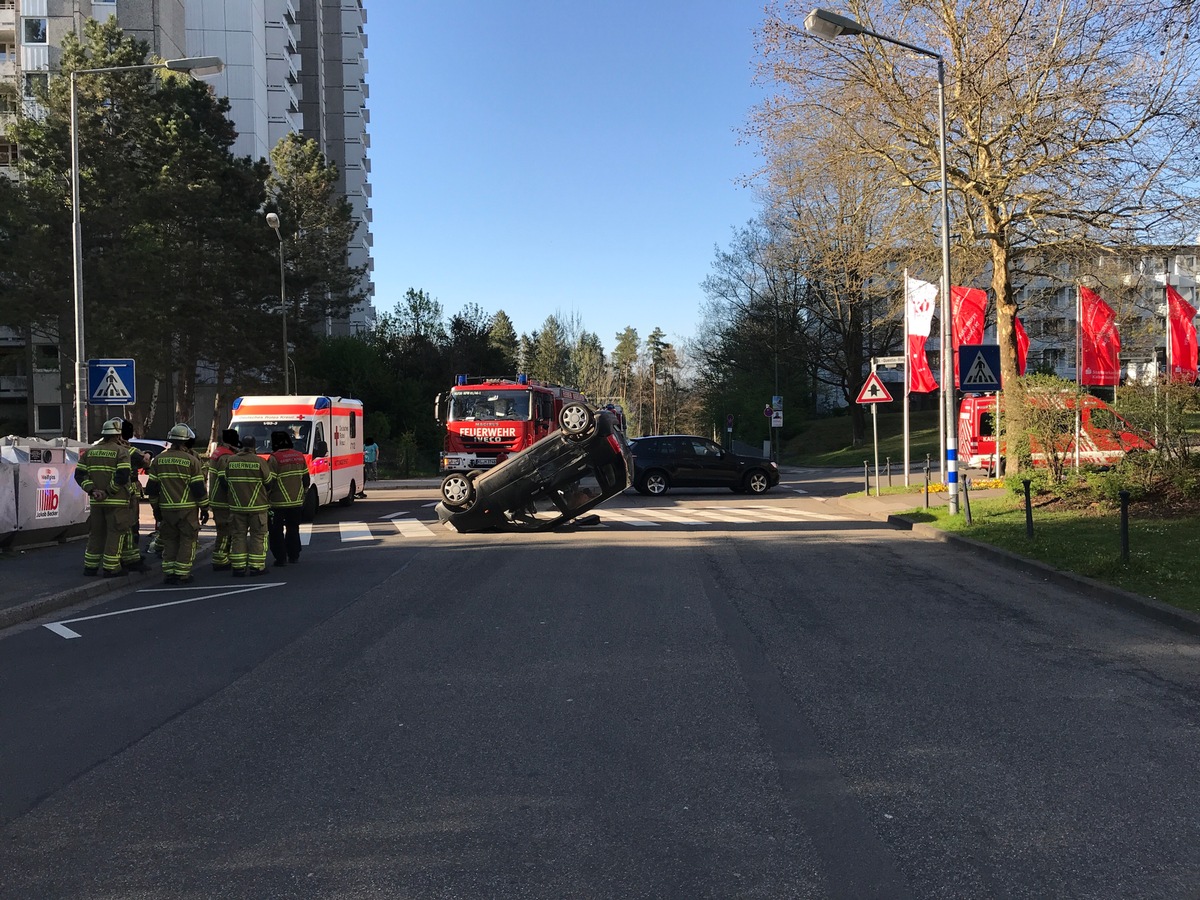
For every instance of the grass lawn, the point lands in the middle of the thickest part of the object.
(829, 442)
(1162, 552)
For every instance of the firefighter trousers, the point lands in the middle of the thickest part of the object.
(248, 540)
(224, 528)
(285, 533)
(179, 531)
(108, 530)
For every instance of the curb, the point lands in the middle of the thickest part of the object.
(41, 606)
(1088, 587)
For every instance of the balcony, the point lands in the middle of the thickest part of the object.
(14, 387)
(8, 19)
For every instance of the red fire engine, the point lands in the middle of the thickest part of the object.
(490, 417)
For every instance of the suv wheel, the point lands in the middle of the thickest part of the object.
(457, 491)
(576, 419)
(654, 483)
(757, 482)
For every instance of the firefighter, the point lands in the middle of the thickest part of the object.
(217, 500)
(287, 498)
(131, 553)
(176, 489)
(104, 474)
(246, 479)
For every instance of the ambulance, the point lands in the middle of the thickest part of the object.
(327, 430)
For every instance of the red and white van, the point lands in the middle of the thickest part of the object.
(1104, 437)
(327, 430)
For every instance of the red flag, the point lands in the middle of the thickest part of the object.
(1022, 345)
(1183, 337)
(919, 299)
(968, 306)
(1100, 344)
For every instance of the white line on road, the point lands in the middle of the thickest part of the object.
(394, 515)
(355, 531)
(305, 533)
(60, 628)
(411, 528)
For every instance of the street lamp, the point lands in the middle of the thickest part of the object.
(273, 222)
(823, 24)
(197, 66)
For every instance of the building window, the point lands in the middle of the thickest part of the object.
(37, 85)
(8, 51)
(49, 418)
(8, 154)
(34, 31)
(45, 358)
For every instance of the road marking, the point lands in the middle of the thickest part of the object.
(355, 531)
(622, 517)
(799, 513)
(61, 630)
(668, 516)
(305, 533)
(411, 528)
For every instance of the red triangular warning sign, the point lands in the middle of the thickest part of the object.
(874, 391)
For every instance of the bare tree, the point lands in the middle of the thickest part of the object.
(1067, 121)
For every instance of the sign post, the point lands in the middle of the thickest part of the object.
(873, 392)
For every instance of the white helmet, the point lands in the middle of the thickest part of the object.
(112, 426)
(181, 433)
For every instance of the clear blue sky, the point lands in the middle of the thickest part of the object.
(550, 157)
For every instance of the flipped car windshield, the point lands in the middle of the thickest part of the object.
(261, 432)
(560, 502)
(489, 406)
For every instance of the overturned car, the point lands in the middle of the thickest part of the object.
(548, 485)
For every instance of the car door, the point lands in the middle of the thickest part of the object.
(713, 466)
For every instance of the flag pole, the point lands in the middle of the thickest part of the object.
(1078, 366)
(907, 453)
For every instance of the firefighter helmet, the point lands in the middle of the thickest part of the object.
(181, 433)
(112, 426)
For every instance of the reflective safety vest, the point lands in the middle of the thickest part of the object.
(179, 476)
(245, 477)
(291, 477)
(105, 467)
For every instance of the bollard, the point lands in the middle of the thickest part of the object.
(1028, 510)
(866, 478)
(889, 471)
(927, 482)
(966, 492)
(1124, 495)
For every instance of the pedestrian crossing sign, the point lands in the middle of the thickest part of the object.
(111, 382)
(980, 367)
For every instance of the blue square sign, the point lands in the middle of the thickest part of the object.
(111, 382)
(979, 367)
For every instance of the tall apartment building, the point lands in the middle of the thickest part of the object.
(297, 66)
(290, 66)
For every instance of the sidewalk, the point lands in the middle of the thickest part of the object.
(39, 579)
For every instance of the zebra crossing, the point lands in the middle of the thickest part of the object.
(405, 525)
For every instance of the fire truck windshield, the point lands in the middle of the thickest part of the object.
(489, 406)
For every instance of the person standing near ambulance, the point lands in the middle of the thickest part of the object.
(246, 479)
(176, 488)
(218, 502)
(104, 473)
(286, 497)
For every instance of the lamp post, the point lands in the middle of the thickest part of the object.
(823, 24)
(197, 66)
(273, 222)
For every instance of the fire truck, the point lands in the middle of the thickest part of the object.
(488, 418)
(327, 430)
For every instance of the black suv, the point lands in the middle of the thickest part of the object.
(548, 485)
(685, 460)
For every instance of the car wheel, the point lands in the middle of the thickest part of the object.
(349, 498)
(757, 482)
(457, 491)
(576, 419)
(654, 483)
(308, 511)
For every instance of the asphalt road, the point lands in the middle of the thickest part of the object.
(709, 695)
